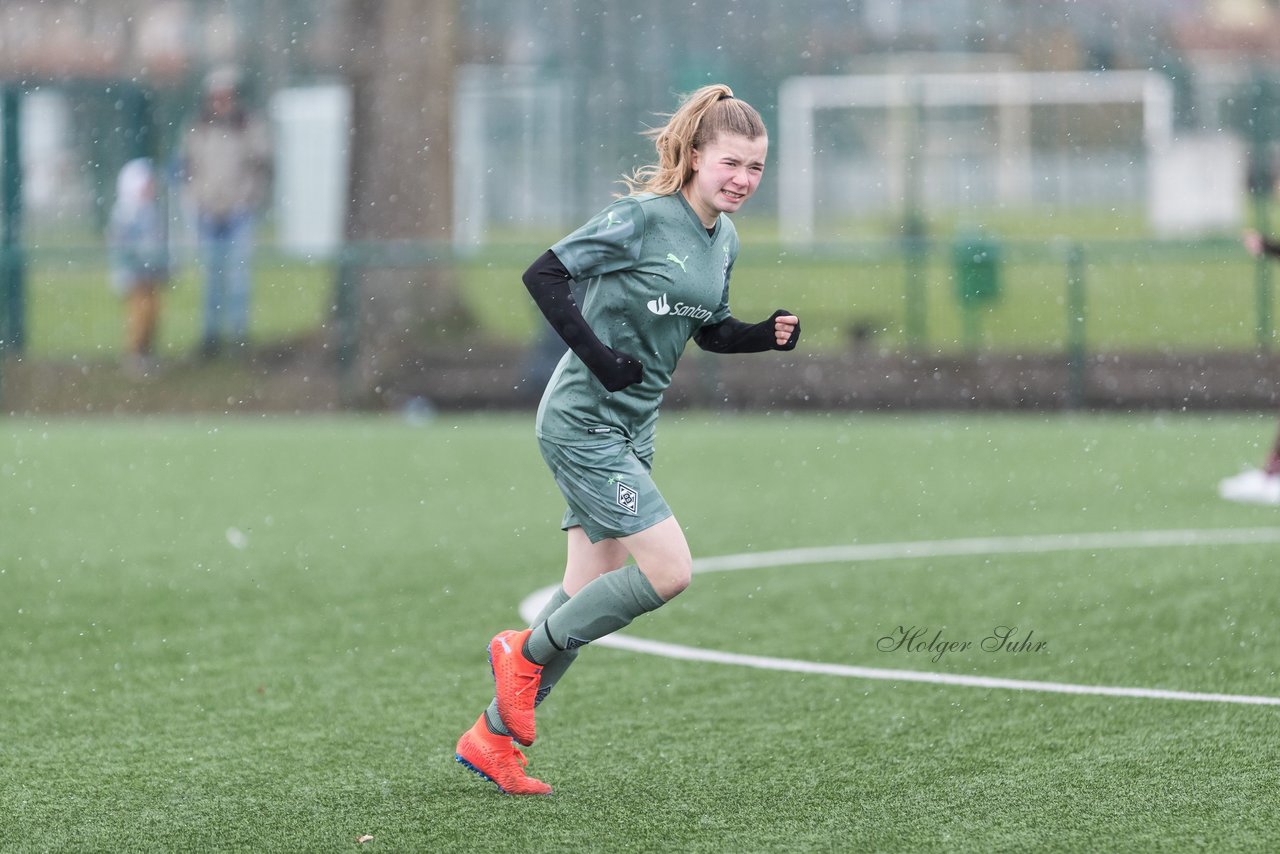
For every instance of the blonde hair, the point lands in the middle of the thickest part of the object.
(699, 120)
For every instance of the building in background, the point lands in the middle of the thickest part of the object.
(548, 92)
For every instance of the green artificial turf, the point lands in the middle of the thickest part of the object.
(268, 633)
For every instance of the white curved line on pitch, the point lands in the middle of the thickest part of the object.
(533, 603)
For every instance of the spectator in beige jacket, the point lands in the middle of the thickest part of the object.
(227, 164)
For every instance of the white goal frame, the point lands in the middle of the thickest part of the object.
(1012, 93)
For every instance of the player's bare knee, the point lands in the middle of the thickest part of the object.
(675, 579)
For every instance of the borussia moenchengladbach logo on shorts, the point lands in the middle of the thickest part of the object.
(628, 499)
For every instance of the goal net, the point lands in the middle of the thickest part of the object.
(902, 144)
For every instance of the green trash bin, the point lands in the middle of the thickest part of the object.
(977, 270)
(976, 260)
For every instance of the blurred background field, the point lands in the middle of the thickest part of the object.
(224, 633)
(987, 178)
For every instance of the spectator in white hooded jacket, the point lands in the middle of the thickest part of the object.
(137, 239)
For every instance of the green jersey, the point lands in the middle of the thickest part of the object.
(651, 276)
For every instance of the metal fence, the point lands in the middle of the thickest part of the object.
(963, 294)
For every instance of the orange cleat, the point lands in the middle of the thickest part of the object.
(516, 680)
(497, 760)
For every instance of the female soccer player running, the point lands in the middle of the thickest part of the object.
(654, 267)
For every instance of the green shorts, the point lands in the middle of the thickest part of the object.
(608, 487)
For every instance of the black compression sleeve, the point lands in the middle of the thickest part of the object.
(548, 282)
(734, 336)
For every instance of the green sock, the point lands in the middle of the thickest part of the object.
(607, 604)
(551, 672)
(555, 668)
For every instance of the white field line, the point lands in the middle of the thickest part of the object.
(941, 548)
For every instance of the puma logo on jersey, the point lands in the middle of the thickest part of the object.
(612, 223)
(678, 261)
